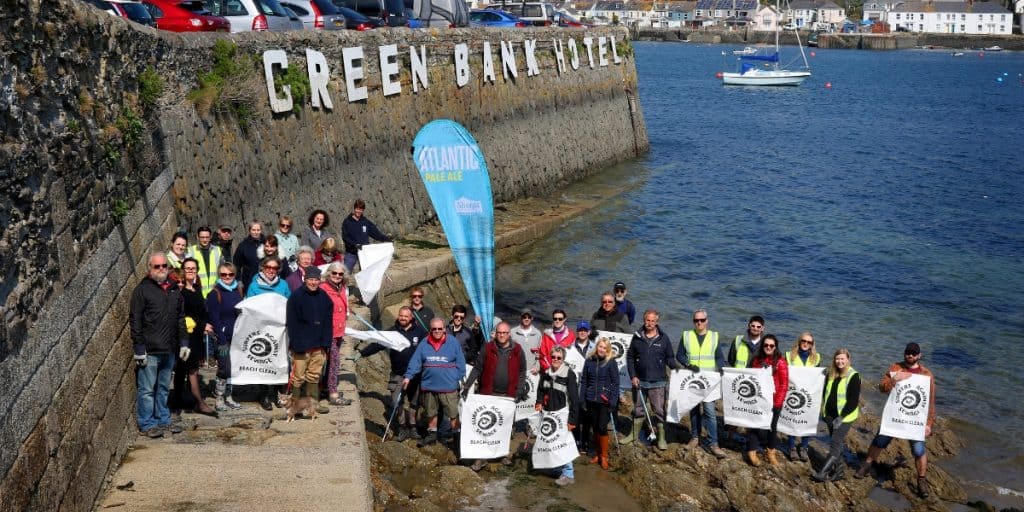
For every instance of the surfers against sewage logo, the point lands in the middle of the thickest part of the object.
(261, 347)
(550, 427)
(912, 400)
(746, 389)
(796, 399)
(486, 420)
(696, 383)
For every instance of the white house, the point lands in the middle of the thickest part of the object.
(1018, 8)
(952, 17)
(878, 10)
(807, 13)
(767, 18)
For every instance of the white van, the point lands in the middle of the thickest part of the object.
(538, 14)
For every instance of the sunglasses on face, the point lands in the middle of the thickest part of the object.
(437, 329)
(556, 319)
(769, 346)
(607, 302)
(556, 358)
(285, 225)
(458, 317)
(158, 266)
(337, 273)
(810, 342)
(274, 268)
(227, 274)
(417, 296)
(699, 320)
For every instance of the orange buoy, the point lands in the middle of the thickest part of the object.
(814, 54)
(981, 55)
(718, 75)
(828, 85)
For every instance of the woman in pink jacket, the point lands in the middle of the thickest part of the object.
(768, 355)
(337, 289)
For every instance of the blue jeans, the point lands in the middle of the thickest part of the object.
(350, 261)
(709, 420)
(567, 471)
(804, 442)
(916, 447)
(154, 384)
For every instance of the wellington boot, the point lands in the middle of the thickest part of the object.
(823, 474)
(603, 446)
(633, 434)
(772, 455)
(597, 449)
(662, 443)
(753, 458)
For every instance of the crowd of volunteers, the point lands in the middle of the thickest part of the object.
(183, 313)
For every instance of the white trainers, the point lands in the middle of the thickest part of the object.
(564, 481)
(230, 402)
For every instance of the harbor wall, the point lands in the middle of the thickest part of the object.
(111, 142)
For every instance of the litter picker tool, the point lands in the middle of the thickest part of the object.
(398, 405)
(651, 436)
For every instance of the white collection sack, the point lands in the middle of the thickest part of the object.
(802, 408)
(747, 397)
(486, 426)
(525, 408)
(555, 446)
(259, 345)
(374, 260)
(620, 342)
(686, 389)
(906, 411)
(390, 339)
(574, 360)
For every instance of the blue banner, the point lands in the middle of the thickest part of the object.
(455, 175)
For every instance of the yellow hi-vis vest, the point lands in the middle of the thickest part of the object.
(207, 276)
(742, 352)
(841, 396)
(796, 361)
(702, 356)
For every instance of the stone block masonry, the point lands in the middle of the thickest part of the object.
(106, 151)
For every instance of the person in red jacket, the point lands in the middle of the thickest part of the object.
(769, 356)
(500, 370)
(337, 290)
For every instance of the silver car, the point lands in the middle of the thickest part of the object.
(317, 14)
(251, 15)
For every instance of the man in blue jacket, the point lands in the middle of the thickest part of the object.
(356, 231)
(649, 353)
(441, 365)
(310, 325)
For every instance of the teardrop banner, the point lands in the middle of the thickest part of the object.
(454, 173)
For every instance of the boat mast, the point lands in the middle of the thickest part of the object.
(800, 45)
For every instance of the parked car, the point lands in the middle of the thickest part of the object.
(494, 18)
(440, 13)
(563, 19)
(538, 14)
(130, 9)
(356, 21)
(294, 18)
(392, 12)
(317, 14)
(251, 15)
(185, 16)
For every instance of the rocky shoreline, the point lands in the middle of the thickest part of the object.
(405, 477)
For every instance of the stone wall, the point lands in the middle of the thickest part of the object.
(101, 162)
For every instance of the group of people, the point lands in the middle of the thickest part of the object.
(183, 312)
(427, 379)
(191, 293)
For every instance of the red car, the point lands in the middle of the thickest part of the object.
(185, 16)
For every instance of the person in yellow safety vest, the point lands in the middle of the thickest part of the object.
(840, 406)
(741, 352)
(698, 351)
(802, 355)
(209, 257)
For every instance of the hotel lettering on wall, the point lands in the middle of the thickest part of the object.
(569, 56)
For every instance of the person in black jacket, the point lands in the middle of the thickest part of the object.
(650, 351)
(310, 325)
(608, 318)
(197, 324)
(246, 258)
(356, 231)
(399, 364)
(471, 338)
(558, 389)
(157, 322)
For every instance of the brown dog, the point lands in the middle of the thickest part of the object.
(305, 406)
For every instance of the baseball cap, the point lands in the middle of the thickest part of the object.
(619, 286)
(526, 312)
(583, 325)
(912, 349)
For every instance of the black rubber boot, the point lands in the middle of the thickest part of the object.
(823, 474)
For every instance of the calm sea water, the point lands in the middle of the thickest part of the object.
(888, 208)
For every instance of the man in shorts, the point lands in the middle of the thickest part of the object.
(441, 365)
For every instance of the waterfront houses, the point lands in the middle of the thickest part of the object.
(951, 17)
(815, 14)
(766, 19)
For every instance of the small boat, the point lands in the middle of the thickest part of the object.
(752, 73)
(995, 48)
(748, 50)
(958, 54)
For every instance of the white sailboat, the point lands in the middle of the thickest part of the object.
(753, 73)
